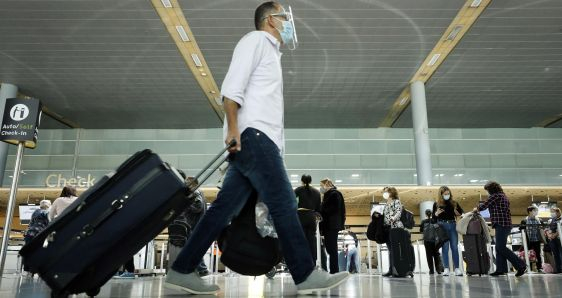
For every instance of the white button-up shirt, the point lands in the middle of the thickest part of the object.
(255, 81)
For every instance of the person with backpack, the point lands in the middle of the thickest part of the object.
(333, 220)
(430, 242)
(445, 211)
(180, 229)
(392, 214)
(500, 214)
(252, 95)
(531, 226)
(309, 201)
(39, 221)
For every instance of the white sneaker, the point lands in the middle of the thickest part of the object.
(191, 283)
(458, 272)
(446, 272)
(320, 280)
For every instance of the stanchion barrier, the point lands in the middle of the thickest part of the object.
(216, 252)
(419, 256)
(211, 259)
(318, 244)
(358, 256)
(559, 230)
(526, 249)
(162, 254)
(379, 258)
(460, 249)
(369, 256)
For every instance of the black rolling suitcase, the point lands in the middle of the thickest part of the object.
(403, 256)
(84, 247)
(475, 253)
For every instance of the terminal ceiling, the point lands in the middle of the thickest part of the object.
(113, 64)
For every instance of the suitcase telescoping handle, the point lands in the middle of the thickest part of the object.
(210, 164)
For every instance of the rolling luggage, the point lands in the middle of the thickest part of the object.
(475, 253)
(84, 247)
(403, 256)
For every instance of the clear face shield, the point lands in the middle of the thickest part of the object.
(288, 16)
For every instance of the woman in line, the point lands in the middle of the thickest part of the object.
(446, 210)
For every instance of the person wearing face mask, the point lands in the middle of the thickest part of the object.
(392, 212)
(252, 94)
(333, 220)
(554, 237)
(531, 225)
(500, 214)
(445, 211)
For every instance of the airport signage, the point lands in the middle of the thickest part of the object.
(59, 181)
(20, 121)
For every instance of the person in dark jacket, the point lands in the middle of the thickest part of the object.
(308, 200)
(498, 203)
(532, 227)
(39, 221)
(431, 249)
(446, 210)
(180, 229)
(333, 220)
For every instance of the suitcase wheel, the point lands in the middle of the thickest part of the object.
(271, 273)
(93, 292)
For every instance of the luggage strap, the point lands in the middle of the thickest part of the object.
(117, 204)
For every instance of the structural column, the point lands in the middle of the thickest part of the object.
(421, 133)
(6, 91)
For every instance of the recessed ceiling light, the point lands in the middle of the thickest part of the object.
(475, 3)
(415, 175)
(355, 175)
(560, 175)
(182, 33)
(197, 61)
(294, 181)
(339, 181)
(433, 59)
(454, 32)
(166, 3)
(294, 175)
(473, 180)
(218, 100)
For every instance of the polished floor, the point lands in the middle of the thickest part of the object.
(422, 285)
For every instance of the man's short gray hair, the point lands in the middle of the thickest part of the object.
(45, 204)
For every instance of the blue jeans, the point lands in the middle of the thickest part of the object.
(453, 242)
(352, 256)
(258, 166)
(503, 253)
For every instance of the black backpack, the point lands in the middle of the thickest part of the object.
(243, 250)
(407, 218)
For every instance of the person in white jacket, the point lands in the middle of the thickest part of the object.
(67, 197)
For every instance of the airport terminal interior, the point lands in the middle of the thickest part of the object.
(409, 94)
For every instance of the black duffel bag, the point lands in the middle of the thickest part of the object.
(243, 249)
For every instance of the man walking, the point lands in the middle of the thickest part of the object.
(253, 101)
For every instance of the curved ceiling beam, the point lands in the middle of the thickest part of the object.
(172, 16)
(460, 25)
